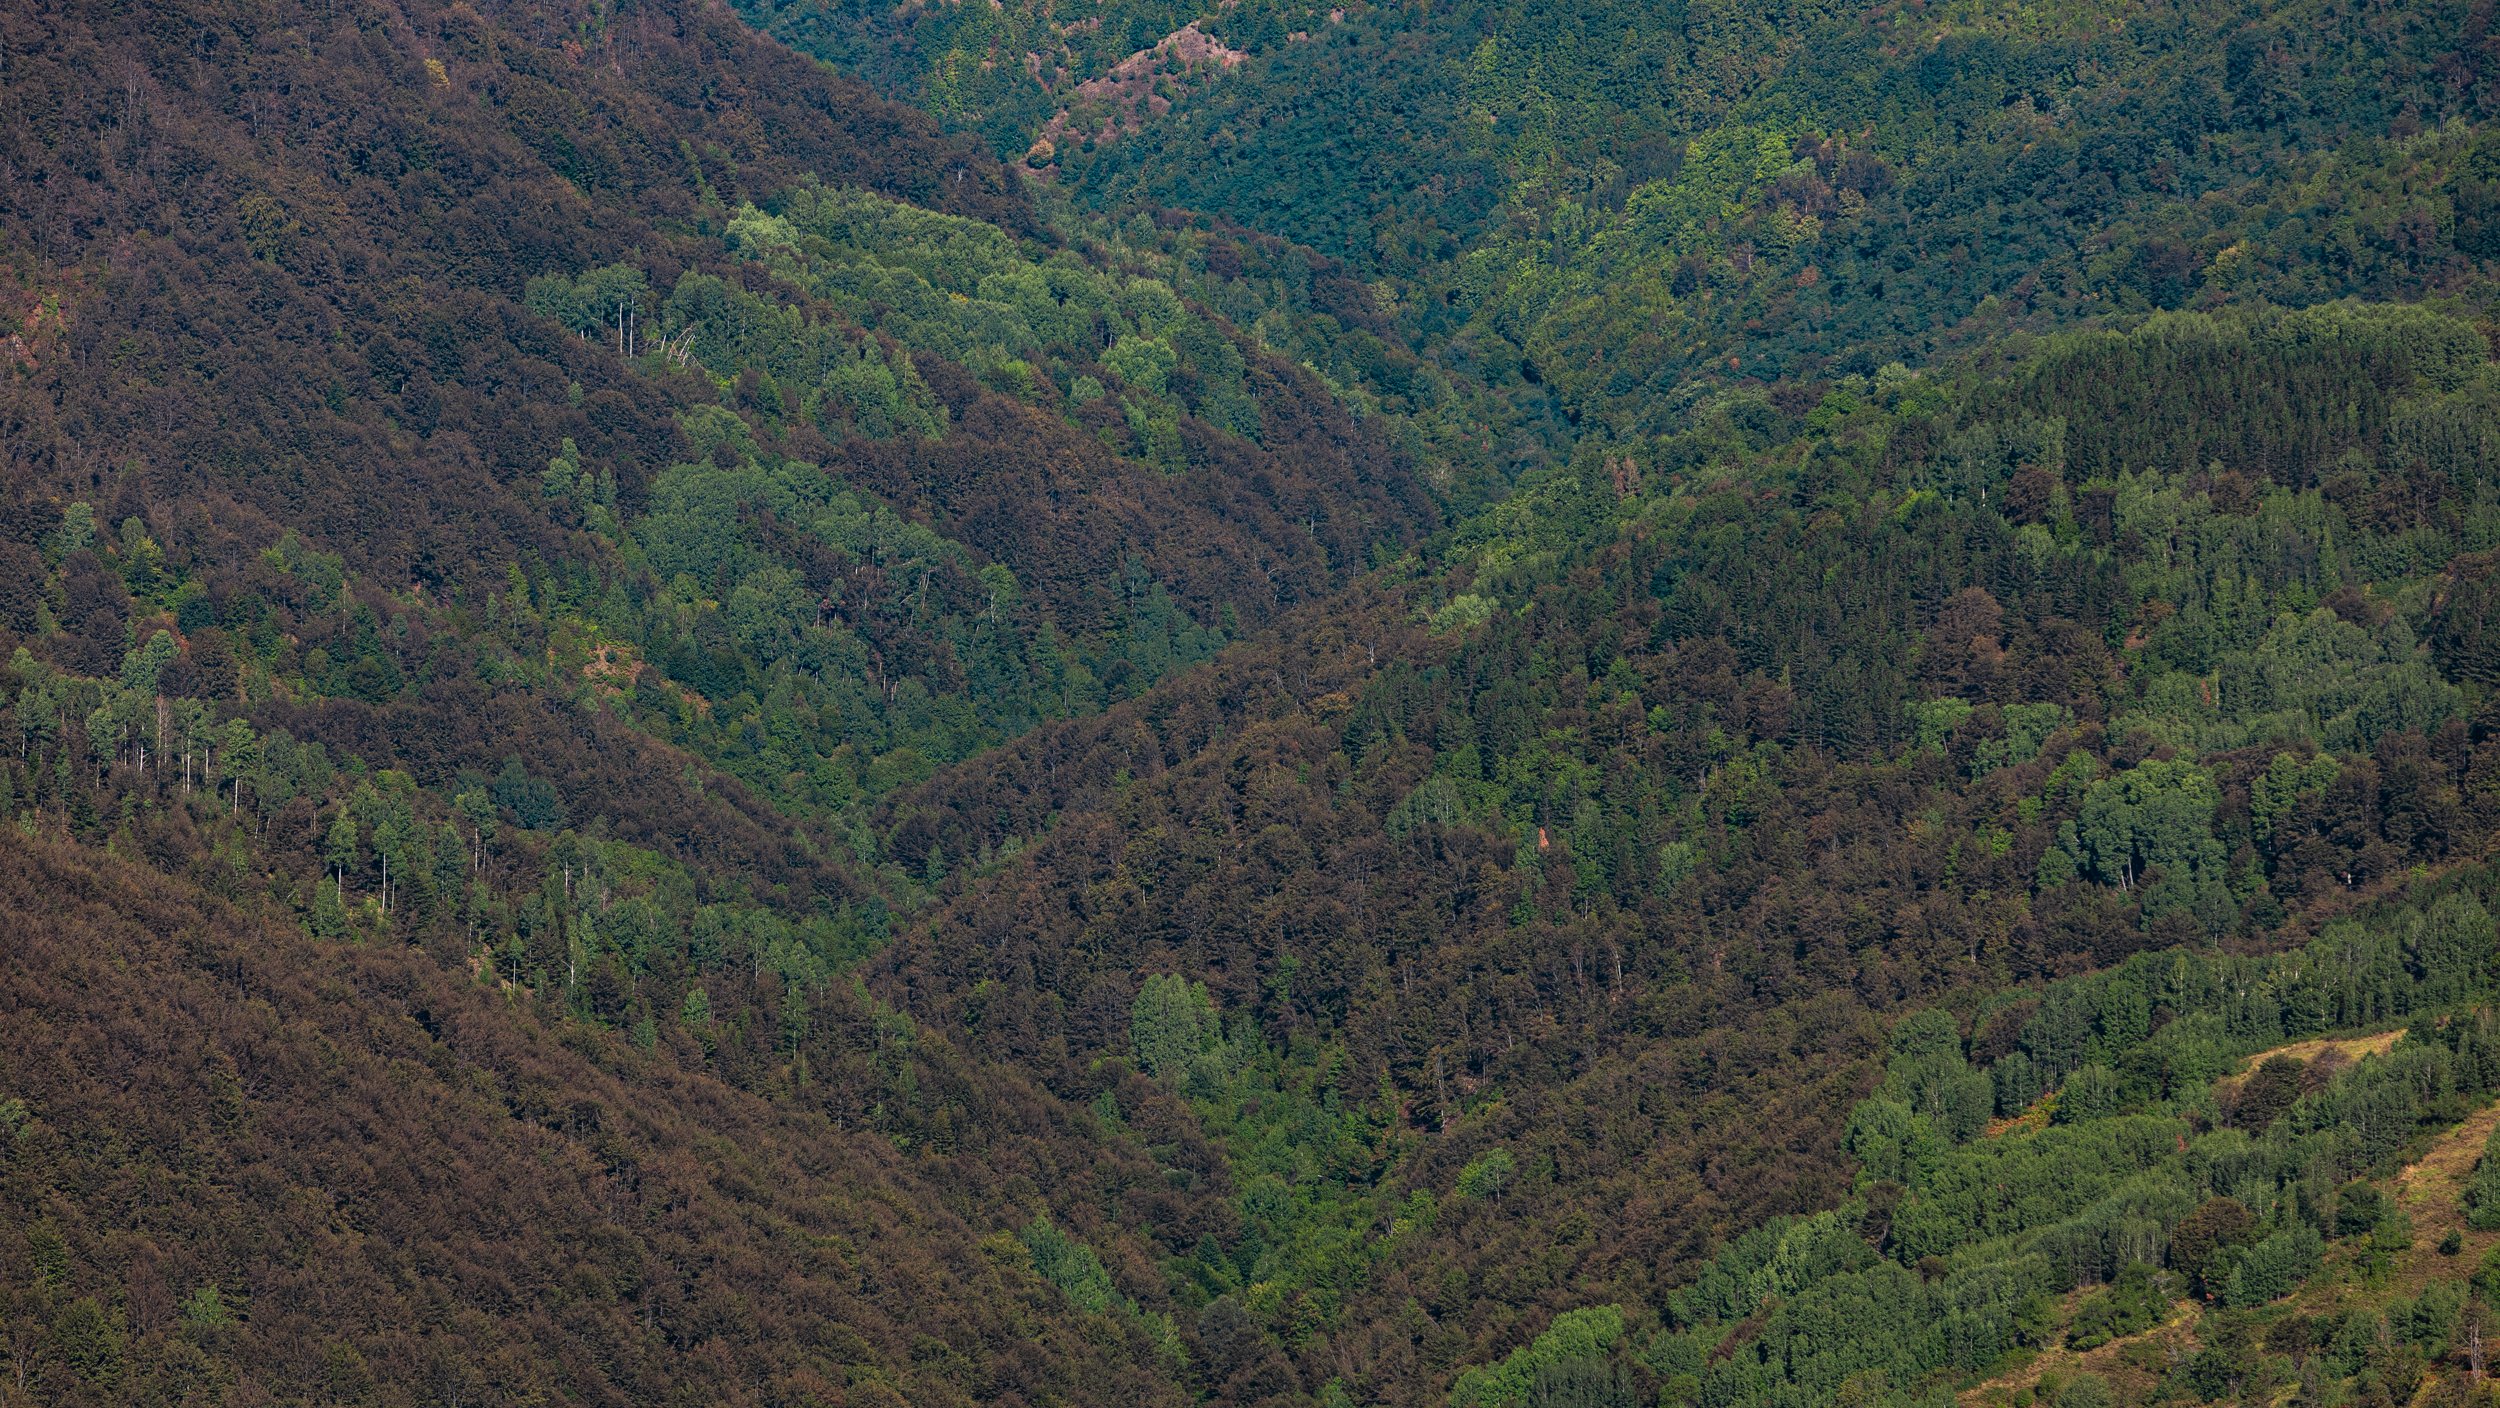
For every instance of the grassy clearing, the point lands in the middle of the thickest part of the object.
(2341, 1048)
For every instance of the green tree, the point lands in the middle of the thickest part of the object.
(2482, 1190)
(478, 810)
(91, 1340)
(2136, 1301)
(1070, 1265)
(143, 562)
(1583, 1381)
(2152, 827)
(531, 800)
(1487, 1175)
(1171, 1023)
(565, 481)
(2272, 1268)
(608, 299)
(1928, 1075)
(143, 667)
(238, 752)
(76, 532)
(1574, 1335)
(2198, 1240)
(450, 864)
(339, 847)
(2090, 1093)
(206, 1308)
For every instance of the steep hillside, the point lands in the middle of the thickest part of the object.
(445, 303)
(1602, 211)
(254, 246)
(1604, 846)
(245, 1165)
(435, 494)
(1637, 721)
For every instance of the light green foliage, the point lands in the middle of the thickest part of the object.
(1675, 865)
(339, 844)
(1463, 612)
(1070, 1265)
(1936, 718)
(1996, 1228)
(1928, 1077)
(142, 667)
(1998, 1187)
(1171, 1024)
(1593, 307)
(478, 811)
(2090, 1093)
(47, 1252)
(206, 1308)
(1889, 1141)
(883, 395)
(142, 560)
(1573, 1335)
(1078, 1271)
(2154, 814)
(2151, 826)
(805, 698)
(324, 575)
(2321, 676)
(1143, 364)
(1487, 1175)
(569, 484)
(968, 64)
(1307, 1157)
(599, 305)
(2027, 728)
(959, 289)
(397, 857)
(845, 380)
(1778, 1259)
(2271, 1269)
(2450, 947)
(1447, 802)
(90, 1339)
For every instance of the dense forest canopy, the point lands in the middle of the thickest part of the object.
(1498, 705)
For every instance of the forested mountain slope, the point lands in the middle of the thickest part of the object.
(1602, 879)
(343, 345)
(1636, 721)
(245, 1165)
(1600, 211)
(428, 259)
